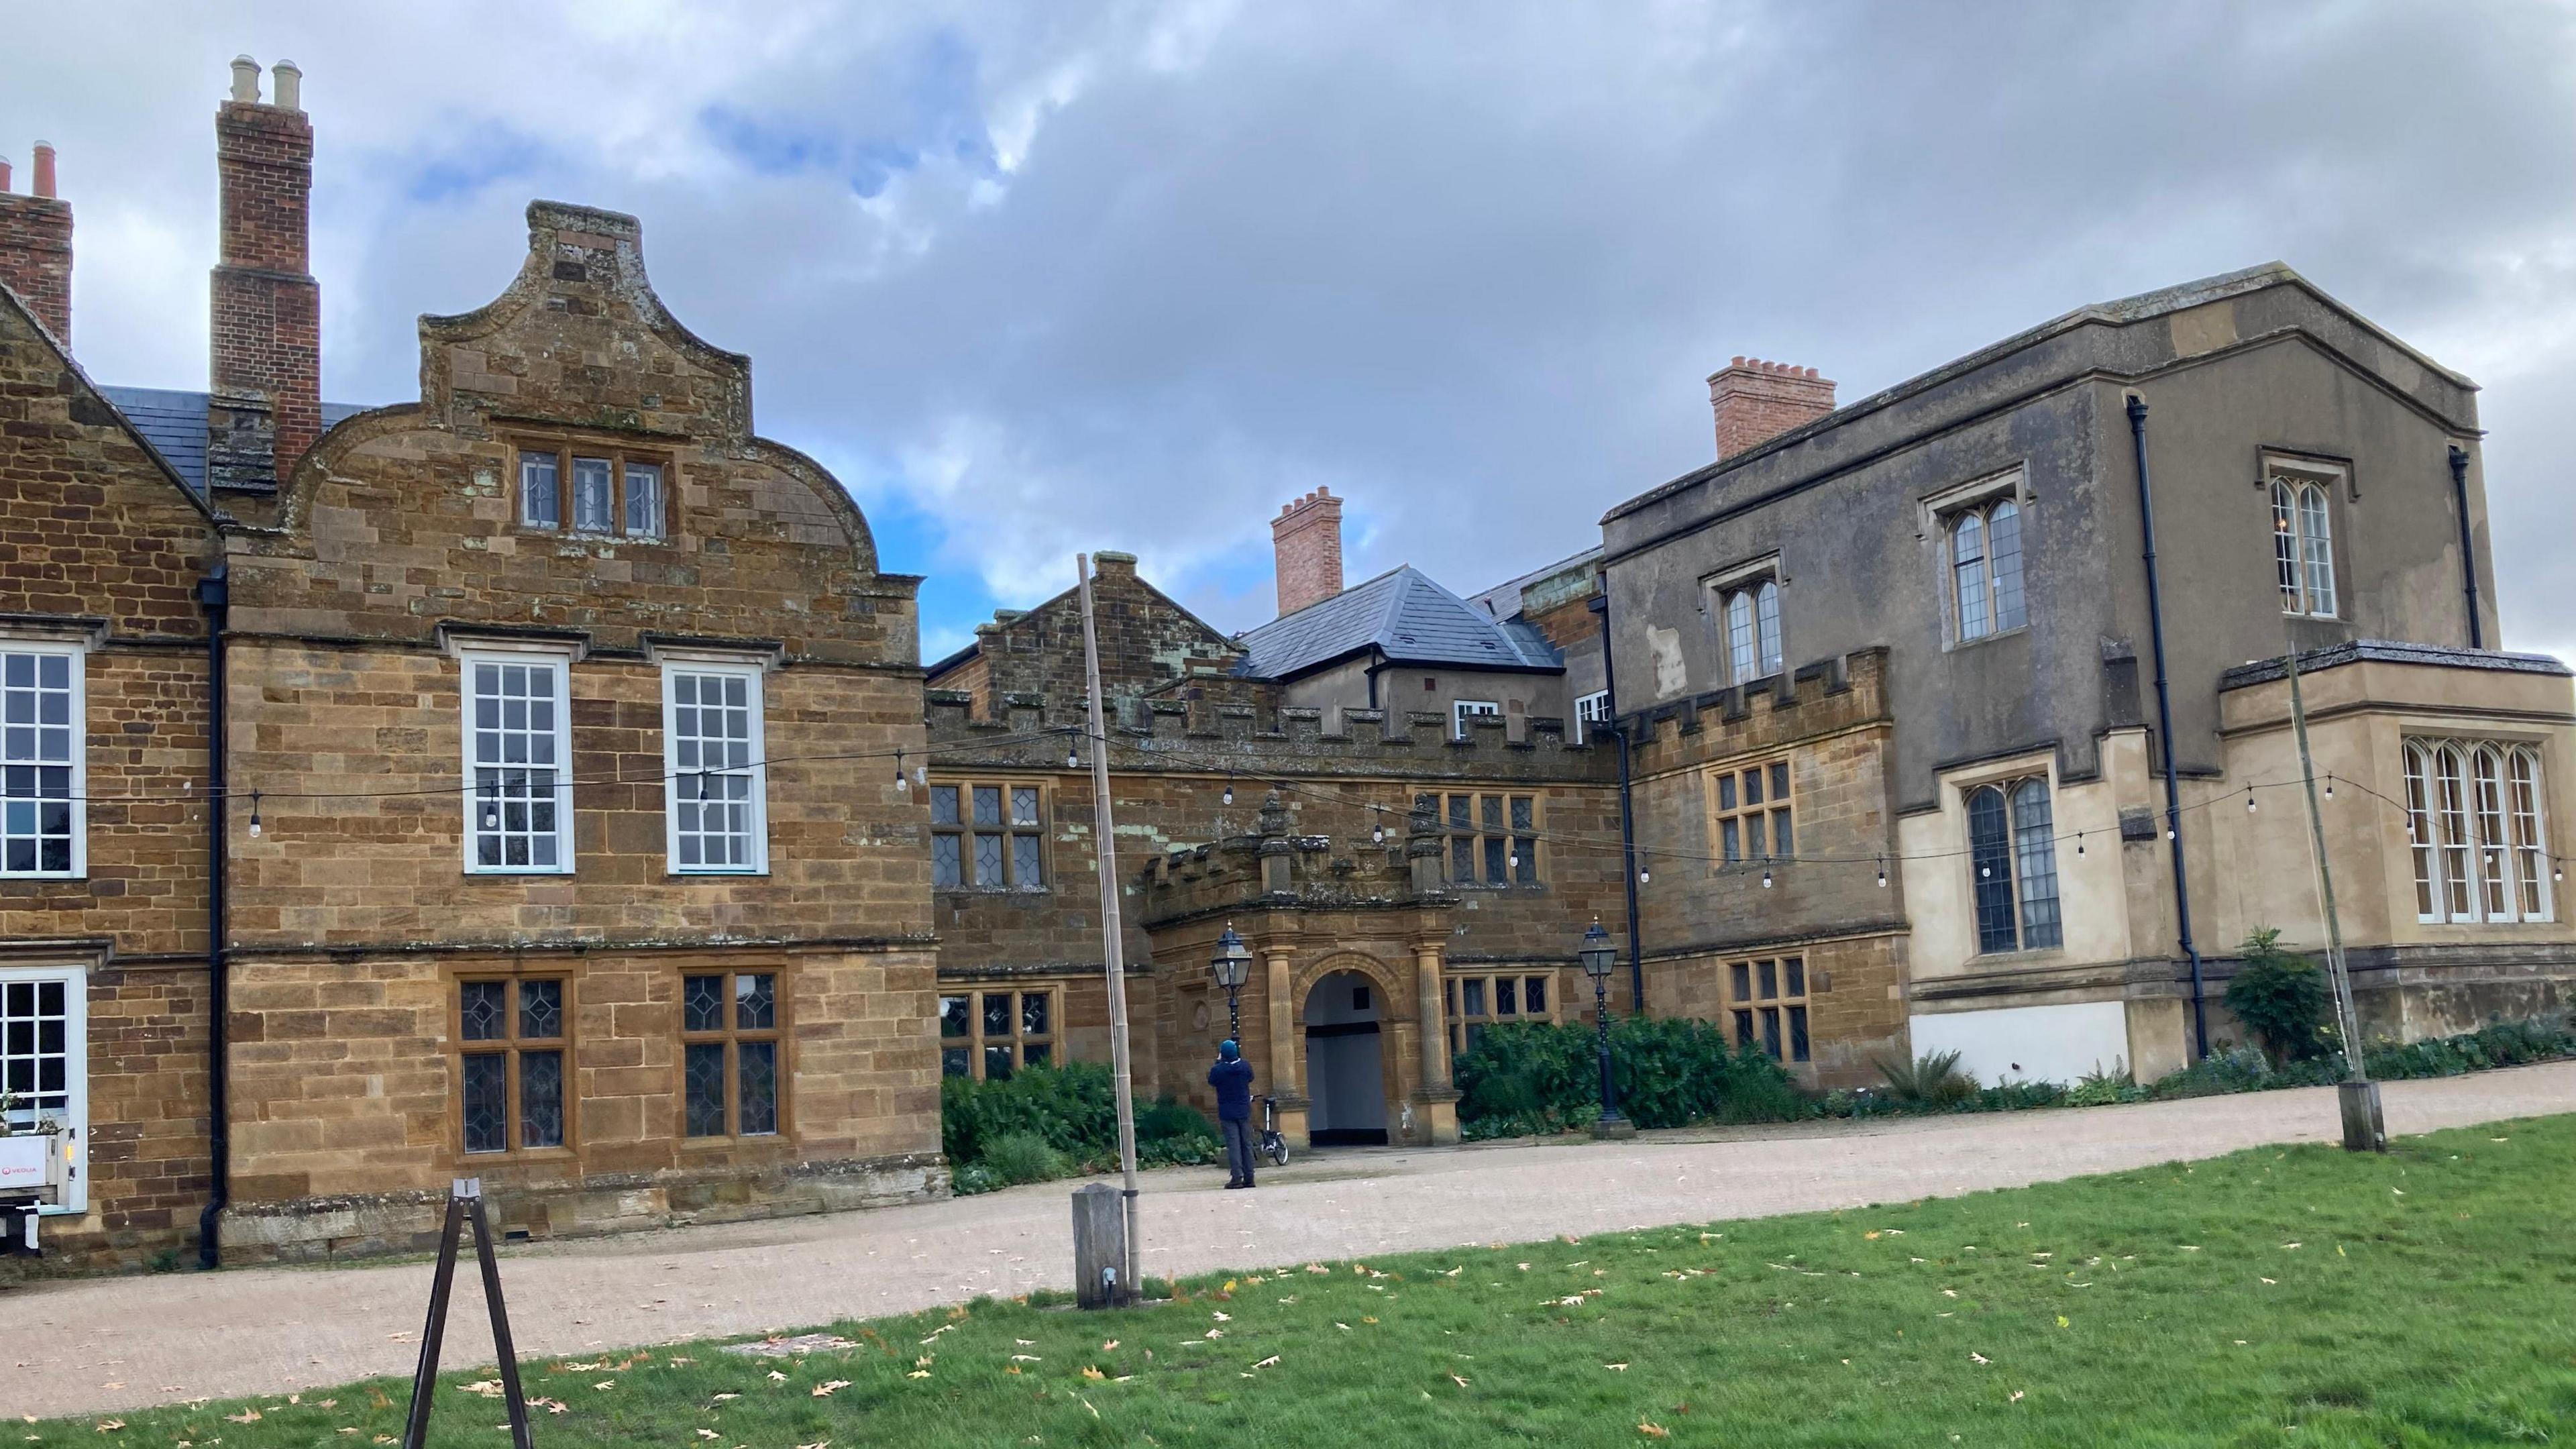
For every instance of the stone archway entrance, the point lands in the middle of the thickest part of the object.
(1345, 1061)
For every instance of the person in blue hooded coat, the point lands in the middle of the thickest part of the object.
(1232, 1078)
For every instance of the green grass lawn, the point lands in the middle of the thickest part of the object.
(2276, 1297)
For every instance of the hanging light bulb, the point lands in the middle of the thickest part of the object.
(2329, 787)
(2169, 832)
(1072, 756)
(1766, 877)
(2079, 845)
(902, 781)
(254, 815)
(1228, 797)
(1985, 872)
(1644, 875)
(1515, 860)
(1882, 872)
(1377, 834)
(2557, 872)
(2249, 799)
(491, 812)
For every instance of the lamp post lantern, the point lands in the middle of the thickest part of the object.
(1232, 963)
(1599, 958)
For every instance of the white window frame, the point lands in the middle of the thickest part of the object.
(2301, 501)
(1463, 710)
(78, 654)
(75, 1114)
(1590, 710)
(501, 655)
(2488, 870)
(753, 674)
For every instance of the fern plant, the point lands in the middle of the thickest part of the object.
(1931, 1080)
(2280, 996)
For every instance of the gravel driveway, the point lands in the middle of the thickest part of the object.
(101, 1344)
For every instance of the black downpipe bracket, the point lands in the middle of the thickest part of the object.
(2468, 555)
(2165, 733)
(1627, 814)
(212, 596)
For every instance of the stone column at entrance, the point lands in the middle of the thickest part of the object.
(1277, 972)
(1439, 1099)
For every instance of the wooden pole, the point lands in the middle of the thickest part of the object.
(2362, 1129)
(1112, 939)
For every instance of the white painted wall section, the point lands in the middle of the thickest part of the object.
(2030, 1043)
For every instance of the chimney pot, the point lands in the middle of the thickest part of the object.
(44, 167)
(1756, 400)
(246, 80)
(288, 92)
(264, 408)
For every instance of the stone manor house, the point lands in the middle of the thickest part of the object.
(540, 779)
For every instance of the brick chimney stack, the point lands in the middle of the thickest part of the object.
(264, 403)
(36, 246)
(1306, 538)
(1757, 401)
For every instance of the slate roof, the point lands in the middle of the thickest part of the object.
(175, 423)
(2390, 651)
(1503, 600)
(1402, 613)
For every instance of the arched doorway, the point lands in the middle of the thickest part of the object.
(1345, 1062)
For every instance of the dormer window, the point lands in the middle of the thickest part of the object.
(606, 493)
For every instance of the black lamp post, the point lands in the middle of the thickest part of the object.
(1232, 963)
(1599, 958)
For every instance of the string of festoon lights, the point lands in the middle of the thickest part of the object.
(1646, 856)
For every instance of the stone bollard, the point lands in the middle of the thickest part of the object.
(2364, 1130)
(1099, 1247)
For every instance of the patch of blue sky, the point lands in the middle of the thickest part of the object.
(482, 156)
(940, 114)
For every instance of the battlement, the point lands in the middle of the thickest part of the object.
(1815, 698)
(1199, 735)
(1279, 866)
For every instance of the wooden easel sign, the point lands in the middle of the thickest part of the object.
(464, 1201)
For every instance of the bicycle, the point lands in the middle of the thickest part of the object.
(1273, 1146)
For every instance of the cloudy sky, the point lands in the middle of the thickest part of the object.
(1039, 278)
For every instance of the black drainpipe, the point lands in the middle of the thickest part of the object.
(1627, 815)
(2468, 556)
(2165, 734)
(211, 595)
(1372, 678)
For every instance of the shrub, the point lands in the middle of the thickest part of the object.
(1932, 1080)
(1017, 1157)
(2098, 1088)
(1535, 1077)
(1170, 1133)
(1073, 1108)
(2281, 997)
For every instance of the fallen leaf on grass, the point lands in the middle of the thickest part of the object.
(918, 1374)
(1092, 1373)
(1623, 1368)
(1110, 1347)
(1979, 1358)
(776, 1377)
(252, 1416)
(829, 1387)
(110, 1426)
(1653, 1430)
(1269, 1362)
(488, 1388)
(1462, 1383)
(2016, 1396)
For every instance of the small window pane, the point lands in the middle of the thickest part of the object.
(1524, 814)
(988, 860)
(1753, 786)
(1036, 1054)
(1534, 996)
(1771, 1031)
(956, 1062)
(1459, 816)
(997, 1063)
(1766, 609)
(1797, 1033)
(702, 1003)
(945, 870)
(541, 1099)
(2003, 547)
(755, 1002)
(1742, 971)
(1024, 805)
(1507, 997)
(1024, 862)
(1780, 779)
(997, 1013)
(955, 1016)
(1743, 1029)
(483, 1010)
(702, 1089)
(1782, 846)
(1493, 812)
(1730, 833)
(1768, 972)
(756, 1090)
(643, 500)
(1526, 851)
(487, 1102)
(1473, 995)
(1990, 866)
(1726, 791)
(540, 1010)
(943, 805)
(1035, 1007)
(988, 805)
(1494, 857)
(540, 492)
(592, 496)
(1462, 860)
(1796, 970)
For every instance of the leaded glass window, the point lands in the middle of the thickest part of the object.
(2303, 544)
(594, 497)
(730, 1026)
(519, 807)
(1493, 839)
(643, 500)
(42, 754)
(610, 494)
(1986, 595)
(716, 781)
(1750, 616)
(1751, 814)
(2012, 854)
(987, 837)
(991, 1034)
(512, 1034)
(1473, 1003)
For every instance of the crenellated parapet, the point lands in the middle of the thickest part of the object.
(1279, 866)
(1813, 699)
(1197, 736)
